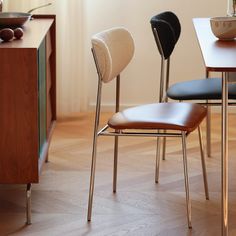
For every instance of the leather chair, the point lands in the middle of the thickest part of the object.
(112, 50)
(167, 29)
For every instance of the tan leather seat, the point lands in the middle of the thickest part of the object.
(172, 116)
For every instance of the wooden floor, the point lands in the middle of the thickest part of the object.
(140, 207)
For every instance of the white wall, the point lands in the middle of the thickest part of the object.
(78, 20)
(141, 79)
(70, 83)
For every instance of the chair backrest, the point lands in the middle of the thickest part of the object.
(167, 27)
(114, 49)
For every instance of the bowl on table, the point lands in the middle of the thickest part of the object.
(224, 28)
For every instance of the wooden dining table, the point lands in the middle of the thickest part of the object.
(219, 56)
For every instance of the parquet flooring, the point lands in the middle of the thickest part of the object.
(140, 207)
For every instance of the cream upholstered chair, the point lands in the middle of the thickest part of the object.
(113, 50)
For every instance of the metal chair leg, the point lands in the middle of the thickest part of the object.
(164, 148)
(95, 137)
(158, 152)
(92, 179)
(28, 204)
(208, 131)
(115, 164)
(203, 163)
(186, 181)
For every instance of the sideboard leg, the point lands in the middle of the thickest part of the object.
(28, 204)
(46, 160)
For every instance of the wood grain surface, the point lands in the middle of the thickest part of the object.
(140, 207)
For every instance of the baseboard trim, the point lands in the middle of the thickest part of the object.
(108, 107)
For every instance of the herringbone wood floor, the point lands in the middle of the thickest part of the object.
(140, 207)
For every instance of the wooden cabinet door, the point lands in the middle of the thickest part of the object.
(42, 96)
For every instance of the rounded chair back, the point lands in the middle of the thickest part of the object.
(167, 27)
(113, 49)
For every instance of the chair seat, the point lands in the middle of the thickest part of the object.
(171, 116)
(202, 89)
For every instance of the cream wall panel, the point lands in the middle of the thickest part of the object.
(78, 20)
(143, 72)
(71, 88)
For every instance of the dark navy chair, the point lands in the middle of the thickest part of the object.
(166, 28)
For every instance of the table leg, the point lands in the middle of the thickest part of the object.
(224, 154)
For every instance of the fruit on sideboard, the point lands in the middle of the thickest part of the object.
(18, 33)
(6, 34)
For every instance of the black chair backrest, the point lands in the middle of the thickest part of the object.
(168, 29)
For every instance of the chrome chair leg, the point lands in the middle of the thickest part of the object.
(158, 152)
(203, 163)
(94, 153)
(208, 131)
(186, 181)
(28, 204)
(115, 164)
(92, 179)
(164, 148)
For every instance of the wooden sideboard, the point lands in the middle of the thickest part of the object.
(27, 100)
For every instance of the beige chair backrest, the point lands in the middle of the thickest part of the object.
(114, 49)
